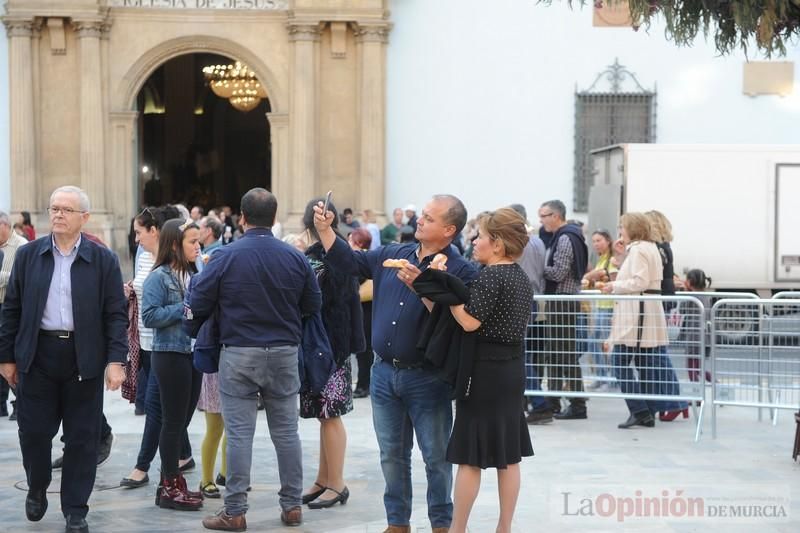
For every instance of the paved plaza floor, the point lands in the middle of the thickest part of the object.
(584, 477)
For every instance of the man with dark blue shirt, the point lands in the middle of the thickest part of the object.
(261, 287)
(407, 396)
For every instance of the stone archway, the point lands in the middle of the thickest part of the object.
(123, 117)
(132, 81)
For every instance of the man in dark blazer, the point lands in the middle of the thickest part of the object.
(63, 326)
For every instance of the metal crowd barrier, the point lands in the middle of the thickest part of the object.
(565, 357)
(760, 366)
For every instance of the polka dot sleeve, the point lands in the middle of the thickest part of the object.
(484, 293)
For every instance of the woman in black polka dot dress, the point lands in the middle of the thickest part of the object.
(490, 429)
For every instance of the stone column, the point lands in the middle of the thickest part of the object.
(24, 181)
(304, 113)
(91, 112)
(279, 139)
(123, 169)
(371, 41)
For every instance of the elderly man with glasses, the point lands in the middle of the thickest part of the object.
(57, 350)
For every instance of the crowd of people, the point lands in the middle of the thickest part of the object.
(226, 314)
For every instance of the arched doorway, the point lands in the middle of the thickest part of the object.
(195, 147)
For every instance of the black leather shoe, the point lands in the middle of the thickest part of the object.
(189, 465)
(645, 420)
(571, 413)
(341, 497)
(36, 504)
(360, 393)
(104, 449)
(134, 483)
(13, 415)
(76, 524)
(311, 496)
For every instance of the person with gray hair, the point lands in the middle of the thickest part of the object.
(58, 351)
(10, 241)
(565, 264)
(210, 239)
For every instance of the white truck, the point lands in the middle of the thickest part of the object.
(735, 209)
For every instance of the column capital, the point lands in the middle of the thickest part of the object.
(21, 27)
(370, 32)
(93, 29)
(277, 120)
(304, 31)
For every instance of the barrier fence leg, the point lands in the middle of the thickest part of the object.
(699, 429)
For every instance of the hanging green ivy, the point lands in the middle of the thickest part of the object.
(770, 24)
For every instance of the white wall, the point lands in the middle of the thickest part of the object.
(5, 170)
(481, 97)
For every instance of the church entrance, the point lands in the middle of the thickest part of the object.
(203, 134)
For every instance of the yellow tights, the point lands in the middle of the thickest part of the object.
(215, 430)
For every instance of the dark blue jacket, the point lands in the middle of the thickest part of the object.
(262, 287)
(99, 307)
(398, 314)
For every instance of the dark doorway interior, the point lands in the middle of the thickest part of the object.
(194, 147)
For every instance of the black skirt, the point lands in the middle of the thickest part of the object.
(490, 429)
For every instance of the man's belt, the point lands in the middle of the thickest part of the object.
(61, 334)
(401, 365)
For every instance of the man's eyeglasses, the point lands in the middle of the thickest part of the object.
(53, 210)
(545, 215)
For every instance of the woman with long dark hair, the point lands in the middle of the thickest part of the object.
(341, 314)
(171, 359)
(147, 229)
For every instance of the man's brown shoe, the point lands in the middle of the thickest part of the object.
(440, 530)
(222, 521)
(292, 517)
(397, 529)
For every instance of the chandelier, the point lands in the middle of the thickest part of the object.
(237, 83)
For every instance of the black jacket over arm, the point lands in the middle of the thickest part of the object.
(99, 307)
(446, 345)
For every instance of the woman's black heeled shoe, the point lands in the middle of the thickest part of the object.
(341, 497)
(311, 496)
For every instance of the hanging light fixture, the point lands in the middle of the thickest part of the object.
(237, 83)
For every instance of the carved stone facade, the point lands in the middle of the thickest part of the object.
(77, 66)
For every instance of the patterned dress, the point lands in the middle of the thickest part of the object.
(337, 397)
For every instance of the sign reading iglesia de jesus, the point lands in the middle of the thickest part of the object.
(203, 4)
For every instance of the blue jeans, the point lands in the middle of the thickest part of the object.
(405, 402)
(656, 376)
(243, 373)
(628, 383)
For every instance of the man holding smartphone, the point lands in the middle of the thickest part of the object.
(407, 396)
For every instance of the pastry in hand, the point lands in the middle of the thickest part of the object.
(439, 262)
(395, 263)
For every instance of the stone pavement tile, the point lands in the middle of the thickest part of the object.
(583, 457)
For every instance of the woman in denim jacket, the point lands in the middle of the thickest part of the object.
(171, 359)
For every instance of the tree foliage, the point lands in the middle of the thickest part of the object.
(769, 24)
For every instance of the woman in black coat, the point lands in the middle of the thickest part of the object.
(342, 316)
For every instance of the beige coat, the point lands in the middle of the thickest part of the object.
(642, 270)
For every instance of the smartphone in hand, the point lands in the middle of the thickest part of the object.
(327, 201)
